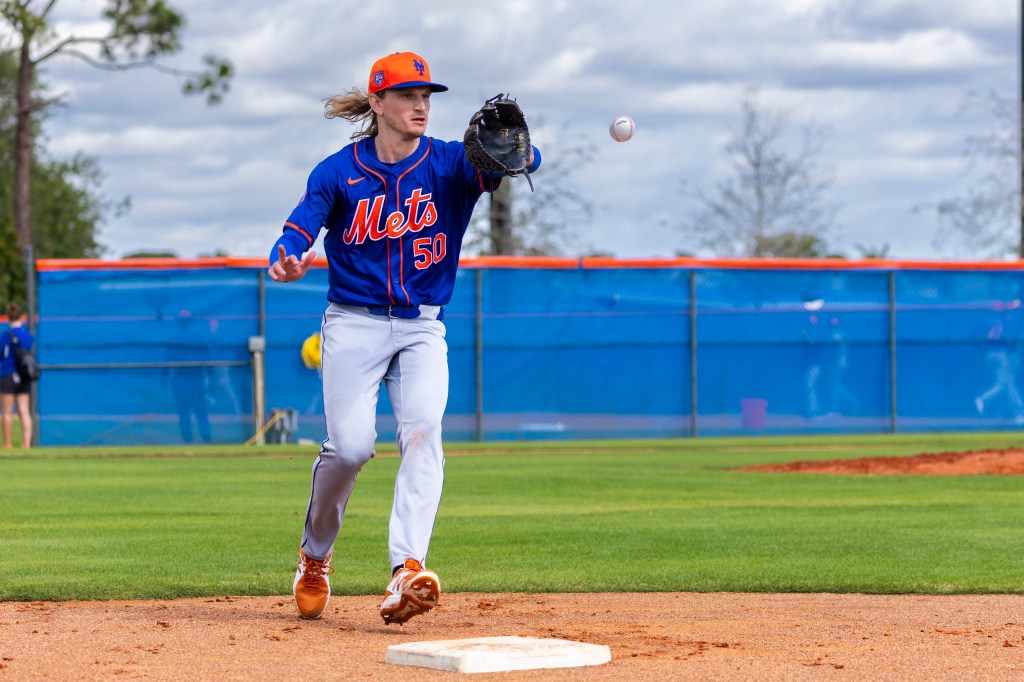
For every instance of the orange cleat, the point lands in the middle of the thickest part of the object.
(311, 589)
(413, 590)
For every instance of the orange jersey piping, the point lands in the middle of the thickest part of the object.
(305, 234)
(398, 199)
(387, 242)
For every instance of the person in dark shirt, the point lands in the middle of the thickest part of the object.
(13, 390)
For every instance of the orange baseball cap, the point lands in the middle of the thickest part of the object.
(402, 70)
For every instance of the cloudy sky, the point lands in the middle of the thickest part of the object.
(889, 78)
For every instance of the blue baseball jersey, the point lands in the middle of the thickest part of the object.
(394, 231)
(7, 365)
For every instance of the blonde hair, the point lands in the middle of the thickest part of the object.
(354, 107)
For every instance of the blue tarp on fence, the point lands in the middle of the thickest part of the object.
(162, 356)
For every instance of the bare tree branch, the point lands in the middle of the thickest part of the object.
(774, 196)
(46, 10)
(984, 221)
(63, 44)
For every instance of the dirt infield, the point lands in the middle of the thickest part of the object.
(680, 636)
(675, 636)
(1008, 462)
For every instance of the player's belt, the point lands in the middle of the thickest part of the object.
(409, 312)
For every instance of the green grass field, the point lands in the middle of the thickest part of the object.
(648, 515)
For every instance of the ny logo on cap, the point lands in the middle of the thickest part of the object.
(418, 65)
(378, 78)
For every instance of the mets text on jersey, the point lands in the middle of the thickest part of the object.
(366, 222)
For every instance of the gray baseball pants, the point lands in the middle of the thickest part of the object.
(359, 349)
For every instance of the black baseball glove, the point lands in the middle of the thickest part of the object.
(498, 139)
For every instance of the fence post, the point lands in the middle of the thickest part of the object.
(257, 348)
(892, 351)
(257, 352)
(261, 292)
(30, 310)
(693, 353)
(479, 352)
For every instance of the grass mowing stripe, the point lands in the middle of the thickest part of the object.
(581, 516)
(816, 446)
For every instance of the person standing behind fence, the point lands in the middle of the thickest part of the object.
(12, 389)
(1004, 365)
(191, 384)
(396, 205)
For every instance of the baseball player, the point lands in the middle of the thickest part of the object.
(395, 205)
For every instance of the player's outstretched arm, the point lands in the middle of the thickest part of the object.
(289, 268)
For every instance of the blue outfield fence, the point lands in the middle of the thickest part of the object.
(159, 352)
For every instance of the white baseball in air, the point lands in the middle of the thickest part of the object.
(622, 128)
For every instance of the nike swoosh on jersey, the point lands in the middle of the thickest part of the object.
(353, 181)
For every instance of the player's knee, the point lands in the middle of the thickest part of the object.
(348, 463)
(348, 451)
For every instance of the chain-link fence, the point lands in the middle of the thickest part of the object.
(161, 352)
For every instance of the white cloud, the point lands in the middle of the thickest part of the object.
(937, 49)
(698, 98)
(562, 71)
(909, 141)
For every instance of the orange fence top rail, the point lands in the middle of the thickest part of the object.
(556, 263)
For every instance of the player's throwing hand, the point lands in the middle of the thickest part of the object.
(289, 268)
